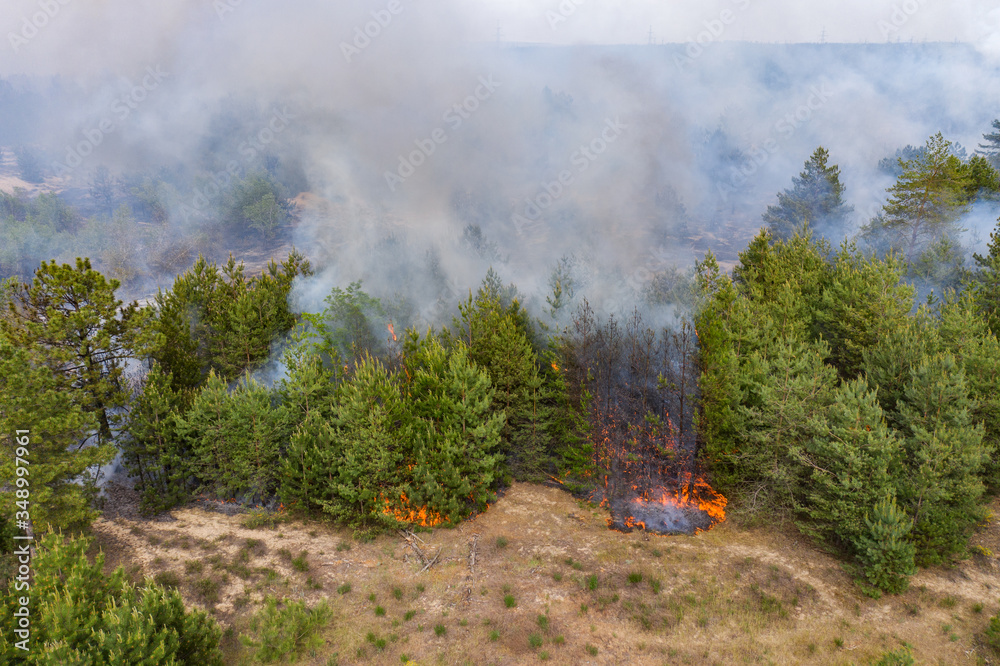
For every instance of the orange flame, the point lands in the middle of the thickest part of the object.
(392, 332)
(696, 494)
(405, 513)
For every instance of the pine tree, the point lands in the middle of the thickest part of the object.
(783, 282)
(982, 179)
(885, 555)
(991, 148)
(942, 487)
(967, 337)
(889, 362)
(719, 420)
(924, 204)
(80, 616)
(222, 319)
(234, 439)
(352, 467)
(208, 428)
(864, 301)
(455, 429)
(155, 451)
(784, 394)
(985, 285)
(497, 336)
(816, 200)
(851, 463)
(62, 470)
(70, 316)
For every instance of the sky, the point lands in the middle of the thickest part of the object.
(74, 36)
(630, 21)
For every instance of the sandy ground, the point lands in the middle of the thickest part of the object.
(728, 596)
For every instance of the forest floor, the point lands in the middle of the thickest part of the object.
(552, 583)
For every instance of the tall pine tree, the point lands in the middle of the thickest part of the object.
(816, 200)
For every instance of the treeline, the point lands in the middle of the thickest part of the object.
(365, 428)
(143, 225)
(828, 393)
(365, 425)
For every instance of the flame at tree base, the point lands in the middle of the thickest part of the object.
(404, 513)
(694, 508)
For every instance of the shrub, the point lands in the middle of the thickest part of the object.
(285, 630)
(900, 657)
(993, 633)
(543, 623)
(81, 616)
(301, 563)
(886, 558)
(509, 601)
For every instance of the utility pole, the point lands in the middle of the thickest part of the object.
(651, 35)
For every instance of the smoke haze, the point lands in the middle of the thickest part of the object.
(552, 127)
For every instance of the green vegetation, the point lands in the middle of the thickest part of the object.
(284, 631)
(82, 615)
(877, 429)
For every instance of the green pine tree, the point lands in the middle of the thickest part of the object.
(864, 301)
(816, 200)
(925, 203)
(719, 311)
(234, 439)
(81, 616)
(61, 469)
(221, 319)
(991, 148)
(785, 393)
(155, 451)
(942, 487)
(851, 462)
(455, 427)
(885, 555)
(69, 315)
(985, 283)
(966, 335)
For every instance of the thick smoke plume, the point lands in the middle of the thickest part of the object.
(433, 145)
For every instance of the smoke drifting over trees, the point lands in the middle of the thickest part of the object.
(408, 124)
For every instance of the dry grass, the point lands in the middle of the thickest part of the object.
(729, 596)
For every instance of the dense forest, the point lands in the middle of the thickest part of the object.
(849, 389)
